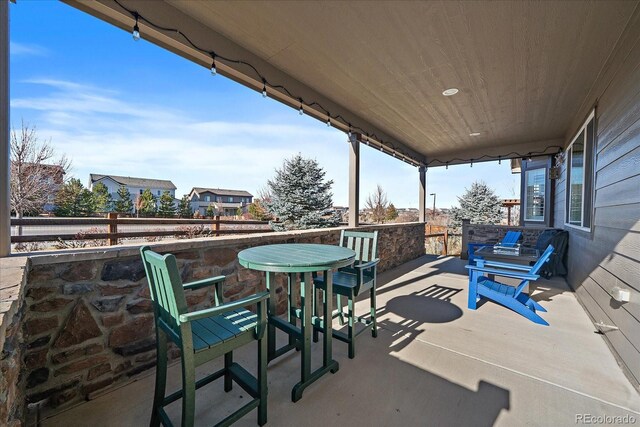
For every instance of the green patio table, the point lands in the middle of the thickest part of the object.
(303, 259)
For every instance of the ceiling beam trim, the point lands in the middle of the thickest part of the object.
(502, 152)
(315, 104)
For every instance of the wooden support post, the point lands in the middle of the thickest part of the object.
(422, 194)
(464, 254)
(5, 201)
(446, 242)
(113, 228)
(216, 225)
(354, 180)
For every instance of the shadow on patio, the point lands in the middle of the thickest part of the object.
(434, 363)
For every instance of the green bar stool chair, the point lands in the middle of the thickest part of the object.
(349, 282)
(202, 336)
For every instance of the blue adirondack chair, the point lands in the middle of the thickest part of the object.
(509, 240)
(513, 297)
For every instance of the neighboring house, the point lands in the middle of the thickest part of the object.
(413, 211)
(135, 185)
(225, 202)
(54, 178)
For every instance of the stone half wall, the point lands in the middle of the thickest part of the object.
(88, 322)
(482, 233)
(12, 384)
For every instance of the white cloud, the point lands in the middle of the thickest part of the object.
(24, 49)
(103, 132)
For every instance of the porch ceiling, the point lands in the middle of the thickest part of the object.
(524, 69)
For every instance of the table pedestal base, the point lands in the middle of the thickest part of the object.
(300, 338)
(296, 393)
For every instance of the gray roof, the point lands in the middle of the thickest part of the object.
(130, 181)
(222, 192)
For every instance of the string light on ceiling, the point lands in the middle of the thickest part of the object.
(338, 120)
(136, 30)
(214, 69)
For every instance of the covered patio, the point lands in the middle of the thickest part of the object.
(432, 84)
(433, 363)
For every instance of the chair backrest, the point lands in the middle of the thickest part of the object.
(166, 289)
(365, 244)
(543, 258)
(511, 238)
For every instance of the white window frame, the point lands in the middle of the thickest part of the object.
(544, 194)
(567, 194)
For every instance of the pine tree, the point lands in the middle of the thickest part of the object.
(147, 205)
(391, 213)
(184, 207)
(300, 196)
(74, 200)
(102, 198)
(124, 203)
(210, 212)
(480, 204)
(166, 209)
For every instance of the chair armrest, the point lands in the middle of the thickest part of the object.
(204, 282)
(224, 308)
(507, 265)
(503, 273)
(368, 264)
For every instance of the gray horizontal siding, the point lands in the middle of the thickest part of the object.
(609, 255)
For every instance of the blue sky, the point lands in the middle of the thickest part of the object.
(115, 106)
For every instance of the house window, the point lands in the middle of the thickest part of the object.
(158, 192)
(207, 198)
(580, 172)
(534, 182)
(230, 200)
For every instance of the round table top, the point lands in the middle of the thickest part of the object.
(296, 257)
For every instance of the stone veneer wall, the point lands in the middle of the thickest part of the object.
(481, 233)
(88, 322)
(12, 384)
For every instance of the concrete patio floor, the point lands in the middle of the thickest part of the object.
(434, 363)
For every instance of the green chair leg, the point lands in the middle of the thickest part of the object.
(161, 377)
(315, 313)
(374, 325)
(339, 307)
(228, 381)
(262, 381)
(352, 346)
(188, 390)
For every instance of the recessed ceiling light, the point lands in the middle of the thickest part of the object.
(450, 91)
(474, 134)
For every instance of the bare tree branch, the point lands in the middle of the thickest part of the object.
(377, 203)
(36, 173)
